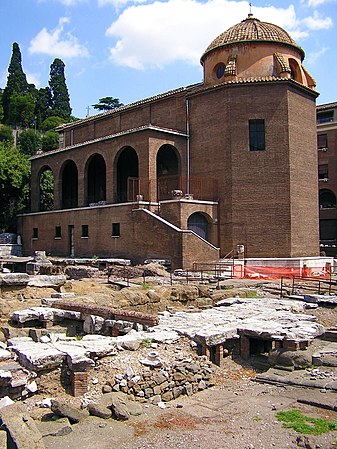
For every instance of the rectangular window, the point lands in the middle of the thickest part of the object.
(323, 172)
(85, 231)
(257, 135)
(58, 232)
(322, 142)
(35, 233)
(325, 117)
(116, 231)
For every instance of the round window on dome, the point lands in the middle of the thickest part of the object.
(220, 70)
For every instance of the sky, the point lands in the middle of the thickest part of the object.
(133, 49)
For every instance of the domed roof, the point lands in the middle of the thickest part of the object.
(252, 30)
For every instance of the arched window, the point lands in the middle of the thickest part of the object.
(127, 175)
(198, 223)
(69, 185)
(327, 199)
(96, 179)
(168, 172)
(296, 73)
(46, 193)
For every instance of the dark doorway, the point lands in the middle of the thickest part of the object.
(198, 224)
(127, 176)
(168, 170)
(96, 179)
(69, 185)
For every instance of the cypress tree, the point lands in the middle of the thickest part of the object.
(60, 96)
(43, 105)
(16, 81)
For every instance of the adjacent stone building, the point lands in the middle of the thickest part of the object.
(190, 174)
(327, 176)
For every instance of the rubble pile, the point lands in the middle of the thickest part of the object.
(183, 377)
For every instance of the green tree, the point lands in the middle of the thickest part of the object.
(21, 110)
(107, 104)
(47, 190)
(29, 141)
(43, 105)
(14, 185)
(16, 81)
(50, 141)
(60, 96)
(6, 134)
(51, 123)
(1, 108)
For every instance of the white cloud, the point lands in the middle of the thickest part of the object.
(57, 42)
(33, 78)
(3, 79)
(317, 22)
(157, 34)
(314, 3)
(313, 57)
(118, 3)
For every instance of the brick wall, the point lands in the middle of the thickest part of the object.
(256, 188)
(142, 236)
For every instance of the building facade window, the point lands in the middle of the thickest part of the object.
(322, 142)
(58, 232)
(220, 70)
(325, 116)
(323, 172)
(35, 233)
(257, 135)
(85, 231)
(116, 230)
(327, 199)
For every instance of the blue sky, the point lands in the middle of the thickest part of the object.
(132, 49)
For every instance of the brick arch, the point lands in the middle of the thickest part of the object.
(168, 170)
(95, 179)
(296, 73)
(198, 222)
(126, 165)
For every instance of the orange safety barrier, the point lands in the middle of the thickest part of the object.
(263, 272)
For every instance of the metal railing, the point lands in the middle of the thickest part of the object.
(295, 284)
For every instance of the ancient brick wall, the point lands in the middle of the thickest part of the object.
(257, 189)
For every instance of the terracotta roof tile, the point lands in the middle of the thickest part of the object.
(252, 30)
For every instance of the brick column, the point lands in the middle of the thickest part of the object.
(244, 347)
(79, 381)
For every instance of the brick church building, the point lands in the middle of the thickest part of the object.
(190, 174)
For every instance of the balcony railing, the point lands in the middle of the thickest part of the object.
(173, 186)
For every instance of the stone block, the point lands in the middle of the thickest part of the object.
(65, 410)
(3, 439)
(21, 427)
(55, 427)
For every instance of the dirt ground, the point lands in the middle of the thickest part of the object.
(237, 413)
(238, 416)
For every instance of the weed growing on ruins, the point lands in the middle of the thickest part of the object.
(294, 419)
(251, 294)
(147, 342)
(145, 285)
(257, 418)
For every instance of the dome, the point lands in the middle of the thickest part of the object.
(252, 30)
